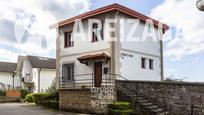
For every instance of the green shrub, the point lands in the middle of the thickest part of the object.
(52, 103)
(52, 89)
(2, 93)
(40, 98)
(24, 92)
(120, 112)
(29, 98)
(120, 108)
(46, 99)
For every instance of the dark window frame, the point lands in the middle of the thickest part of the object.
(68, 40)
(143, 63)
(94, 36)
(151, 64)
(68, 72)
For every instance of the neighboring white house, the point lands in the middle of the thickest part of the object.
(138, 60)
(7, 75)
(37, 73)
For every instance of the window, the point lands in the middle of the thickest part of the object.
(67, 40)
(67, 72)
(143, 63)
(94, 36)
(151, 64)
(95, 32)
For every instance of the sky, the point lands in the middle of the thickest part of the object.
(24, 29)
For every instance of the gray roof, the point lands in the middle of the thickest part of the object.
(7, 67)
(42, 62)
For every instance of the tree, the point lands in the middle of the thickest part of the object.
(53, 88)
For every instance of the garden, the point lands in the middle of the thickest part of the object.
(49, 99)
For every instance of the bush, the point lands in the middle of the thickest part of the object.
(40, 98)
(29, 98)
(2, 93)
(52, 103)
(120, 108)
(24, 92)
(52, 89)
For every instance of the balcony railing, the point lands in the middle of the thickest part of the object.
(28, 79)
(88, 81)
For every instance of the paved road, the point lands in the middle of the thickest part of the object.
(28, 109)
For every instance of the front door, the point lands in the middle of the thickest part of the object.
(97, 74)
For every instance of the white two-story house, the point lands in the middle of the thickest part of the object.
(8, 78)
(89, 56)
(37, 73)
(96, 48)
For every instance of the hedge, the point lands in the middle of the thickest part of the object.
(40, 98)
(52, 104)
(120, 108)
(29, 98)
(24, 92)
(2, 93)
(45, 99)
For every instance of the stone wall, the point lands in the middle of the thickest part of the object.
(75, 100)
(177, 97)
(94, 100)
(13, 93)
(4, 99)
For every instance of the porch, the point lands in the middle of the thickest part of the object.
(90, 92)
(97, 69)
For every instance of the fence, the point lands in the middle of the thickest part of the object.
(88, 81)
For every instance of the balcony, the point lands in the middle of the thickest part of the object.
(28, 79)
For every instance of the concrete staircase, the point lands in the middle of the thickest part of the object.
(141, 103)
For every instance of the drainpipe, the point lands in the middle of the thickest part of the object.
(161, 60)
(39, 79)
(13, 79)
(13, 76)
(113, 47)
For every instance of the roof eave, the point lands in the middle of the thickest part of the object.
(107, 9)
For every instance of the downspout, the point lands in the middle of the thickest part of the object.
(39, 79)
(13, 79)
(161, 59)
(113, 47)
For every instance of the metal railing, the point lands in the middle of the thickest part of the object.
(88, 81)
(2, 86)
(28, 79)
(5, 87)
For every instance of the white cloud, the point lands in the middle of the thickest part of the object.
(32, 19)
(185, 18)
(9, 55)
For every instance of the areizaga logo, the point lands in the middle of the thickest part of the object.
(22, 31)
(120, 29)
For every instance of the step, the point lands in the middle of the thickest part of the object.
(146, 104)
(163, 113)
(158, 110)
(152, 107)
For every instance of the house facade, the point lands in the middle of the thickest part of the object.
(93, 62)
(8, 77)
(37, 73)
